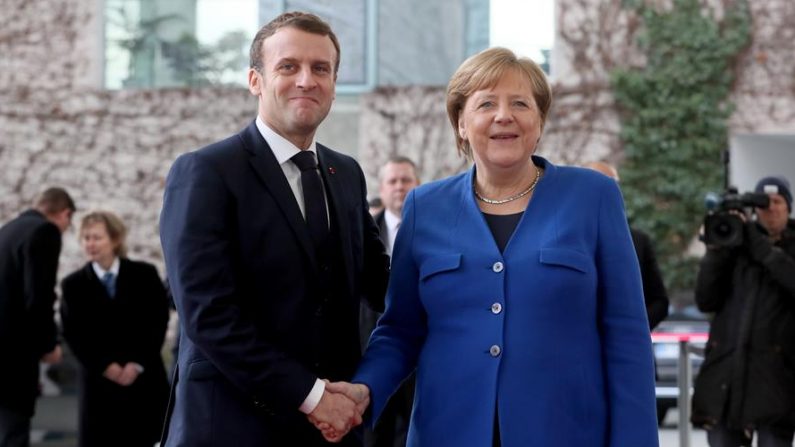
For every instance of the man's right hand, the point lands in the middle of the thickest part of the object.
(54, 356)
(337, 412)
(113, 372)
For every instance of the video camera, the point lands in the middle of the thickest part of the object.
(723, 227)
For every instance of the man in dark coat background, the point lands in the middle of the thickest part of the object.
(269, 247)
(746, 384)
(396, 178)
(654, 294)
(30, 246)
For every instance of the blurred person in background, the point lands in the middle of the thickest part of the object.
(114, 314)
(396, 178)
(515, 290)
(654, 293)
(376, 206)
(746, 384)
(30, 246)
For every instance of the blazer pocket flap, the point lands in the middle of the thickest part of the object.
(565, 257)
(202, 370)
(439, 264)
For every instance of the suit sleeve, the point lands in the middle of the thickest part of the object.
(395, 344)
(196, 227)
(41, 268)
(626, 343)
(376, 261)
(154, 312)
(713, 283)
(654, 292)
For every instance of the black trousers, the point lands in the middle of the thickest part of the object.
(721, 436)
(14, 429)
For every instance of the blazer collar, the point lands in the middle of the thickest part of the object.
(333, 173)
(271, 175)
(472, 211)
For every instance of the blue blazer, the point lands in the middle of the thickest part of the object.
(257, 328)
(551, 333)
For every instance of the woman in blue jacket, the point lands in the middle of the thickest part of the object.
(515, 290)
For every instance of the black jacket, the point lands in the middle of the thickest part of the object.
(748, 376)
(29, 250)
(654, 294)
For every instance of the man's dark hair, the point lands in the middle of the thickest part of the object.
(54, 200)
(303, 21)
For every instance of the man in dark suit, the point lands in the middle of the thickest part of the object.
(654, 294)
(268, 257)
(396, 178)
(29, 249)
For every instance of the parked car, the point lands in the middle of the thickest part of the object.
(687, 322)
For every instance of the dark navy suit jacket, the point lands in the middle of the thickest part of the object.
(257, 329)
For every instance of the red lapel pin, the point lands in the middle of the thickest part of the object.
(331, 170)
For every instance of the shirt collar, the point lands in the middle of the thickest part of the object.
(282, 148)
(114, 268)
(391, 219)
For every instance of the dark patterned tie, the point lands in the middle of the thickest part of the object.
(109, 281)
(314, 200)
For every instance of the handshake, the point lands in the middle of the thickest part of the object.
(340, 409)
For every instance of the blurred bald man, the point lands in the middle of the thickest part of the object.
(654, 293)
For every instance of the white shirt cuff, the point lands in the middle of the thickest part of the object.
(311, 401)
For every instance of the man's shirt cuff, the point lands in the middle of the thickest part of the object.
(311, 401)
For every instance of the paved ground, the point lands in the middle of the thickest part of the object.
(669, 433)
(56, 419)
(55, 422)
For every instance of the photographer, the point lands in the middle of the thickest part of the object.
(746, 384)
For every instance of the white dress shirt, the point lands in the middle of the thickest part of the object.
(114, 268)
(392, 224)
(283, 150)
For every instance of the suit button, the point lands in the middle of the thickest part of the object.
(498, 267)
(319, 312)
(495, 351)
(324, 267)
(496, 308)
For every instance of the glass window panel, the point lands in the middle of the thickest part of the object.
(150, 43)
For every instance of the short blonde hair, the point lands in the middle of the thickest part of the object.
(116, 229)
(484, 70)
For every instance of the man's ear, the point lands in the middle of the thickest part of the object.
(254, 82)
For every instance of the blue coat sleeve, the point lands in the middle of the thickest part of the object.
(395, 344)
(626, 342)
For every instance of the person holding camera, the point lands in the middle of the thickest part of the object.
(746, 384)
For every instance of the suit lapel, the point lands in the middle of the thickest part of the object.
(93, 282)
(270, 173)
(383, 231)
(336, 195)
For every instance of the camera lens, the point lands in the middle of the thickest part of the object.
(723, 229)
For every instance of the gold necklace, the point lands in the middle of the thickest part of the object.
(512, 198)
